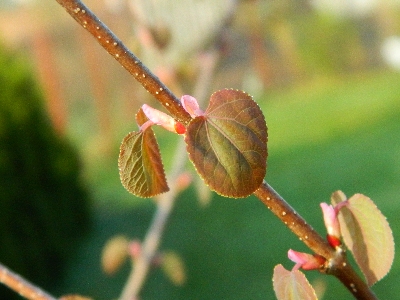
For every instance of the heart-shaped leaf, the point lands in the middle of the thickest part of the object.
(292, 285)
(140, 167)
(367, 234)
(228, 144)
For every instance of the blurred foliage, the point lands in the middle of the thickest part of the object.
(174, 41)
(44, 206)
(290, 41)
(330, 45)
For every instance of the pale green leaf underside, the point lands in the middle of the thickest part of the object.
(367, 234)
(292, 285)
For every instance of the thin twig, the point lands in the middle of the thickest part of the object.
(293, 220)
(153, 236)
(113, 45)
(22, 286)
(152, 84)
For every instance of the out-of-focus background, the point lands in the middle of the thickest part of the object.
(325, 73)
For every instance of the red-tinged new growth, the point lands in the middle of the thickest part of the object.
(183, 181)
(306, 261)
(191, 105)
(332, 223)
(179, 128)
(159, 118)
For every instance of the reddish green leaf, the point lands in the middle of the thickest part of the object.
(292, 285)
(228, 144)
(367, 234)
(140, 167)
(141, 117)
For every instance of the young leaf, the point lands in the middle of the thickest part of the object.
(292, 285)
(174, 267)
(306, 261)
(140, 167)
(227, 144)
(159, 118)
(114, 254)
(191, 105)
(367, 234)
(332, 224)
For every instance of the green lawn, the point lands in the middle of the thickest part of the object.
(323, 136)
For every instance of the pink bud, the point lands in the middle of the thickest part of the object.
(135, 248)
(305, 261)
(159, 118)
(183, 181)
(332, 224)
(190, 104)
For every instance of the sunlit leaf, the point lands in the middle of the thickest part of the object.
(367, 234)
(338, 197)
(140, 167)
(228, 144)
(319, 285)
(292, 285)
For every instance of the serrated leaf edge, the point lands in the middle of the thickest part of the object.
(161, 166)
(197, 171)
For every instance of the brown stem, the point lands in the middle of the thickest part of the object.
(125, 57)
(336, 261)
(339, 266)
(350, 279)
(274, 202)
(21, 285)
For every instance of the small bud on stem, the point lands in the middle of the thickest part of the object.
(305, 261)
(159, 118)
(332, 223)
(190, 104)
